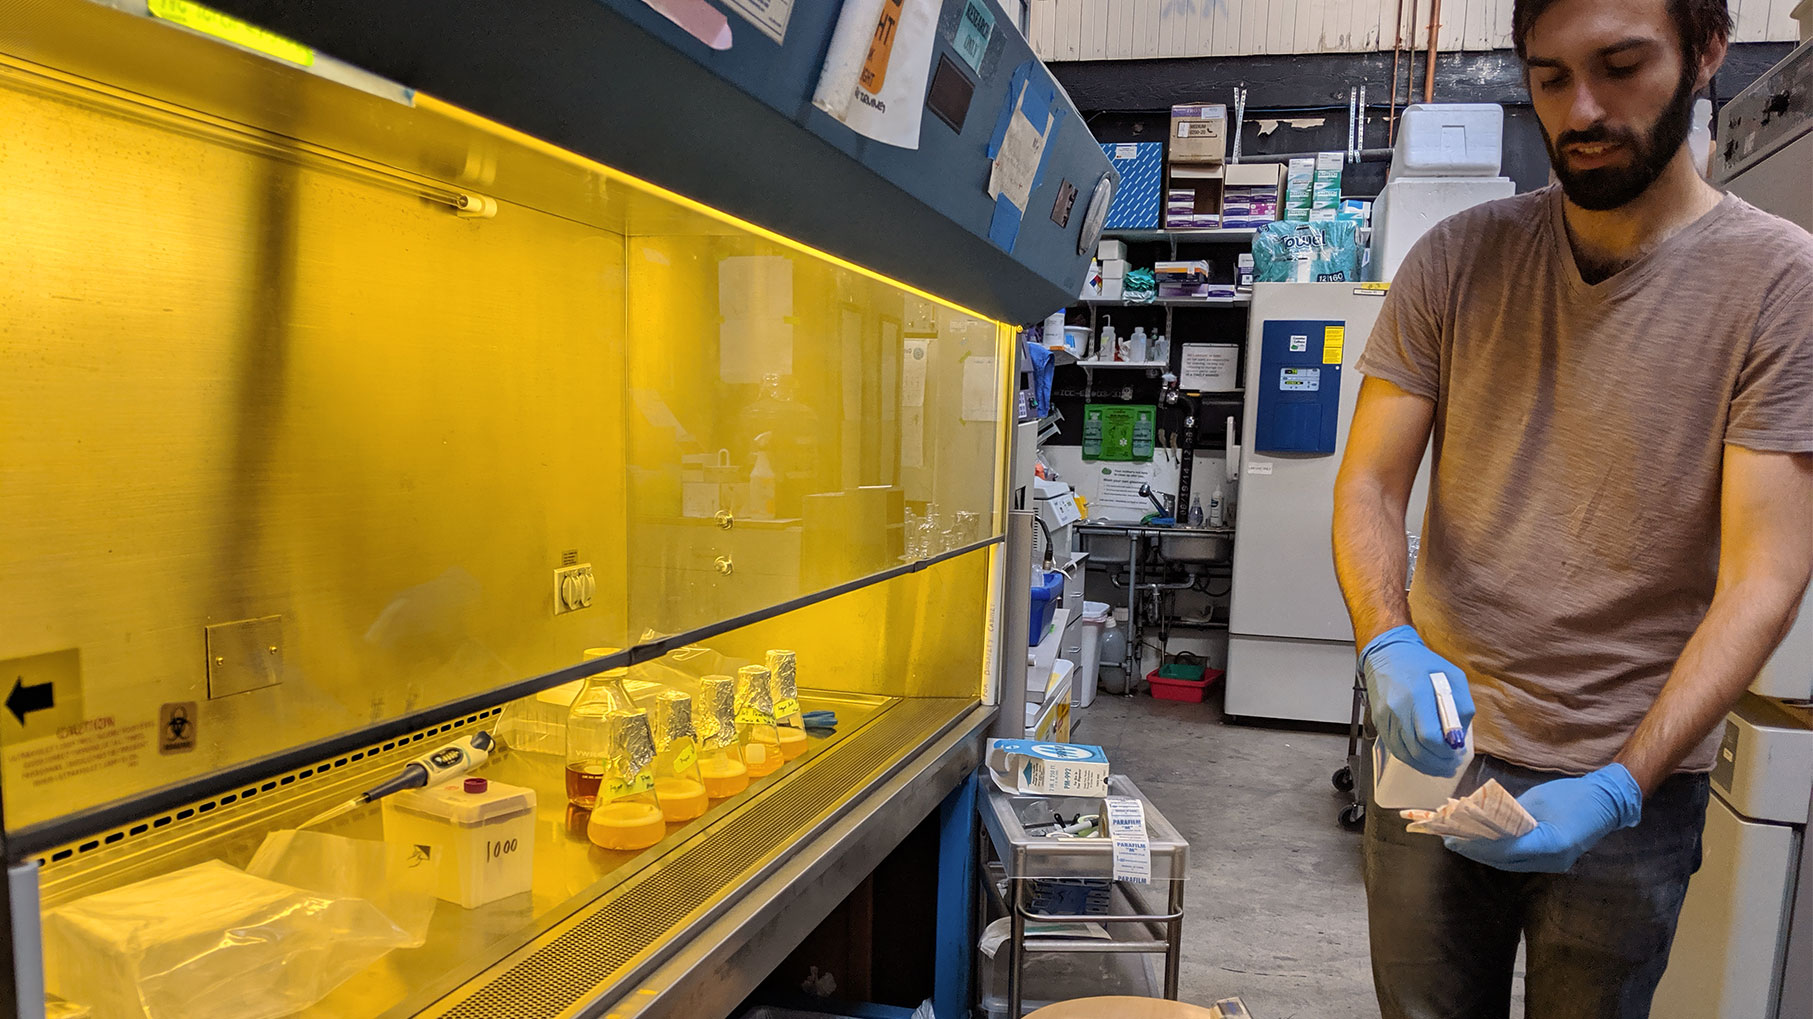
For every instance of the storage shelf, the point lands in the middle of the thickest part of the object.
(1124, 364)
(1241, 301)
(1231, 235)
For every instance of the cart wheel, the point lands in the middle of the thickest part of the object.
(1353, 816)
(1343, 779)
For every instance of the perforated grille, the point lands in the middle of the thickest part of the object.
(574, 963)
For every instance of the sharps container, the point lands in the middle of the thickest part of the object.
(477, 834)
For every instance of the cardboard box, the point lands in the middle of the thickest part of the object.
(1251, 194)
(1114, 268)
(1199, 133)
(1299, 188)
(1328, 181)
(1137, 198)
(1111, 288)
(1024, 766)
(1193, 196)
(1111, 249)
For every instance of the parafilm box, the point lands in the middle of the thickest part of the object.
(1065, 769)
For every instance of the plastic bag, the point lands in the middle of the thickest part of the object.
(382, 873)
(1293, 252)
(209, 942)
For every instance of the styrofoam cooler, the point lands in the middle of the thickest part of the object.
(1095, 619)
(1449, 140)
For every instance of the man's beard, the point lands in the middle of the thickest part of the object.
(1609, 187)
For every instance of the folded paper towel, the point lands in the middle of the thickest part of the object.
(1488, 813)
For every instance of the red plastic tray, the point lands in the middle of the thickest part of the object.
(1188, 690)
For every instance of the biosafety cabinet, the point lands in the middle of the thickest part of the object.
(379, 374)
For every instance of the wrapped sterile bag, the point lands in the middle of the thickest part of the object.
(209, 942)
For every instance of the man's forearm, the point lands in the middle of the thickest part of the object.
(1371, 560)
(1742, 627)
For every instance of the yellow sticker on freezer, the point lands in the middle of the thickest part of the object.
(209, 21)
(1334, 341)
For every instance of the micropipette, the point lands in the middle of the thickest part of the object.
(450, 761)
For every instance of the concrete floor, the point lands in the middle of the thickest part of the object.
(1275, 912)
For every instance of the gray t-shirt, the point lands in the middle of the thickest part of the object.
(1571, 541)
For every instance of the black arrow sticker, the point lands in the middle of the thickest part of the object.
(26, 699)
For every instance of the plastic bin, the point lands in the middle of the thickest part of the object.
(1088, 668)
(1179, 686)
(1047, 592)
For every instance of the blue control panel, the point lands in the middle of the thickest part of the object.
(1299, 386)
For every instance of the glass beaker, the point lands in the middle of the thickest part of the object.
(628, 814)
(721, 766)
(588, 735)
(677, 780)
(755, 722)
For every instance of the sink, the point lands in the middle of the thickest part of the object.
(1106, 549)
(1194, 547)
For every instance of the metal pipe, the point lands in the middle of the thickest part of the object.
(1435, 23)
(1365, 156)
(1361, 142)
(1397, 51)
(1016, 622)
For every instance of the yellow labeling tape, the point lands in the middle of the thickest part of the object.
(617, 788)
(1380, 287)
(685, 759)
(750, 716)
(1334, 341)
(209, 21)
(786, 708)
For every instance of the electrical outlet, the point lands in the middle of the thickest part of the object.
(574, 587)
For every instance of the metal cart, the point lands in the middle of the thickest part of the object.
(1029, 857)
(1355, 776)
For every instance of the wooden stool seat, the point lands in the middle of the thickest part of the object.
(1121, 1008)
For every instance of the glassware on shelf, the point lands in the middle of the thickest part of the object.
(721, 767)
(628, 814)
(783, 685)
(677, 781)
(755, 722)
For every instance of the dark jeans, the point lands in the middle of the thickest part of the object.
(1445, 929)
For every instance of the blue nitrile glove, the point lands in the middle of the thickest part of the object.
(1572, 815)
(1396, 666)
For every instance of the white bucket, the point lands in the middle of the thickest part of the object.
(1095, 619)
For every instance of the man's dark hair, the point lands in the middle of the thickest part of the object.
(1700, 22)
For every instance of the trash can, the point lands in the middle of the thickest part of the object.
(1095, 619)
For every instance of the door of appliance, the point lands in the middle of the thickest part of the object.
(1284, 577)
(1727, 960)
